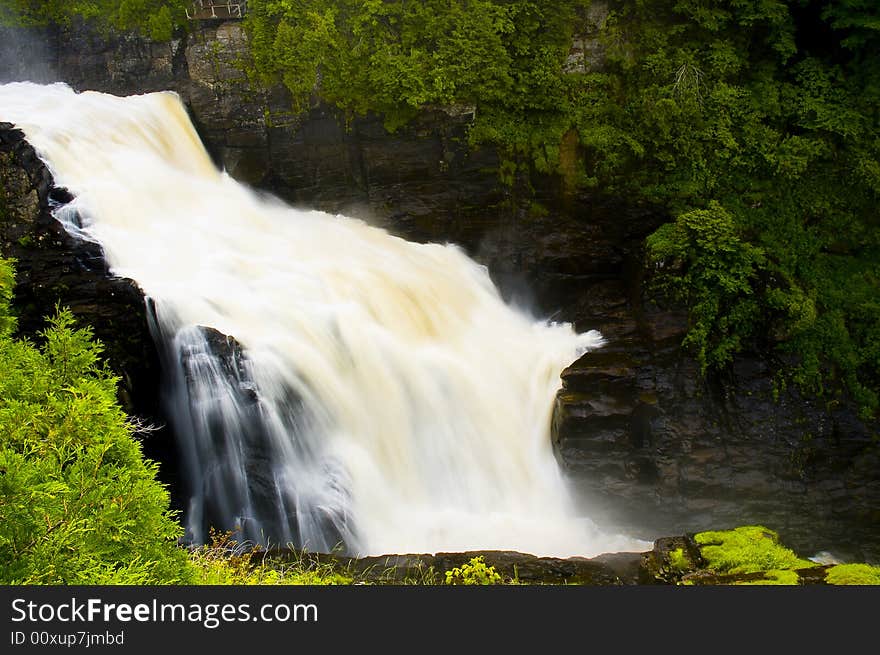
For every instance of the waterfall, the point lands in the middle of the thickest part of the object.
(331, 385)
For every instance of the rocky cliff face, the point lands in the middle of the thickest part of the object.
(647, 441)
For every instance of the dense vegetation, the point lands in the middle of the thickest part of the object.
(766, 146)
(78, 503)
(155, 18)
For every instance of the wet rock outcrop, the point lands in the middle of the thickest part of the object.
(227, 455)
(649, 441)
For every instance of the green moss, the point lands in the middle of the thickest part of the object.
(774, 578)
(678, 560)
(747, 549)
(853, 574)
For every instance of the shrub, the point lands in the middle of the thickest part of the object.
(475, 572)
(154, 18)
(78, 502)
(708, 266)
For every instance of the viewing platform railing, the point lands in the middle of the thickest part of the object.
(207, 9)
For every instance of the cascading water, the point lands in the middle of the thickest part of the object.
(330, 383)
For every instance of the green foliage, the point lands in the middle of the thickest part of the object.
(860, 19)
(853, 574)
(154, 18)
(7, 285)
(422, 575)
(475, 572)
(78, 502)
(707, 265)
(227, 562)
(747, 549)
(396, 57)
(743, 105)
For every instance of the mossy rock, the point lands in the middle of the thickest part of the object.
(747, 549)
(671, 559)
(753, 555)
(853, 574)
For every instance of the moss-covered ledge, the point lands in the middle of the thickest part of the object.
(747, 555)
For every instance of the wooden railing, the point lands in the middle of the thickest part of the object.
(205, 9)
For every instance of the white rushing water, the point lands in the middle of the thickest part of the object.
(386, 399)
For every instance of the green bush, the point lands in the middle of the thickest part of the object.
(704, 263)
(78, 502)
(475, 572)
(396, 57)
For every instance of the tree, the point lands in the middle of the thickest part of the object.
(78, 502)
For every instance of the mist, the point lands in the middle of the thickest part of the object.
(28, 55)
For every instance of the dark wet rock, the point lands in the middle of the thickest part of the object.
(652, 445)
(529, 569)
(119, 63)
(226, 355)
(229, 451)
(607, 570)
(671, 559)
(809, 576)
